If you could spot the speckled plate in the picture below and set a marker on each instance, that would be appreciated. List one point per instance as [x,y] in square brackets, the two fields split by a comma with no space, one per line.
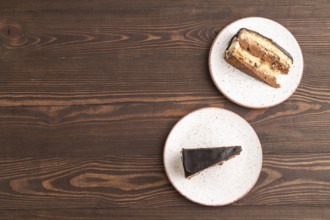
[243,89]
[221,184]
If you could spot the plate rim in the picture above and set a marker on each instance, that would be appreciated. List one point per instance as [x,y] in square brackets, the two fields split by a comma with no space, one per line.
[227,96]
[197,202]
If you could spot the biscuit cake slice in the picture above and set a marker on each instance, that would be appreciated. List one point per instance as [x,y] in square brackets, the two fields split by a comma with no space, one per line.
[258,56]
[266,49]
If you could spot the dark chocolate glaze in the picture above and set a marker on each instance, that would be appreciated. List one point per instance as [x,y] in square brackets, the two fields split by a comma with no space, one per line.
[269,39]
[196,160]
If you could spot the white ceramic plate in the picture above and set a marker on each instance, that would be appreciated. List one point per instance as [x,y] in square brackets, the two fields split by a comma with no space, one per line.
[221,184]
[243,89]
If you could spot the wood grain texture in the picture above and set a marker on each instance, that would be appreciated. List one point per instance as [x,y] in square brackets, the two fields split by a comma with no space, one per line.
[80,130]
[140,181]
[89,91]
[188,213]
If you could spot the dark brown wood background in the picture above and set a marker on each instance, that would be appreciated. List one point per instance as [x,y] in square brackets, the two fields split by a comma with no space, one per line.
[90,89]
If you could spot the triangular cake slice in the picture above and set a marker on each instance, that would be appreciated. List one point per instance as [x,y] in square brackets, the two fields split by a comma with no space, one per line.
[258,56]
[198,159]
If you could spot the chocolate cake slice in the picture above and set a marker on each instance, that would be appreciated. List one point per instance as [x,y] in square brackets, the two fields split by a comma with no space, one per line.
[196,160]
[258,56]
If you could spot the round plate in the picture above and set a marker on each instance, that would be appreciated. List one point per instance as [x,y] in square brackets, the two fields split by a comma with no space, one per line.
[243,89]
[221,184]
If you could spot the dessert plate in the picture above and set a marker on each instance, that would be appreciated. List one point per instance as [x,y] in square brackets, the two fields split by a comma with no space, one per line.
[243,89]
[221,184]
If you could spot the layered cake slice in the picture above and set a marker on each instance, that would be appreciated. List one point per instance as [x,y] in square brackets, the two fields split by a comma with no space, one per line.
[196,160]
[258,56]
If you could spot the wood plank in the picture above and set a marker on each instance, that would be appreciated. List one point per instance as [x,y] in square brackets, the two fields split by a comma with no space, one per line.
[136,125]
[65,83]
[187,213]
[56,49]
[124,38]
[140,181]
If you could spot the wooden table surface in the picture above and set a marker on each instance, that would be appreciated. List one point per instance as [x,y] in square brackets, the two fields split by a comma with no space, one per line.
[90,89]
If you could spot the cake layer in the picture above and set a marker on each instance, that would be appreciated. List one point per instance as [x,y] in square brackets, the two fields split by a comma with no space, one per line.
[266,49]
